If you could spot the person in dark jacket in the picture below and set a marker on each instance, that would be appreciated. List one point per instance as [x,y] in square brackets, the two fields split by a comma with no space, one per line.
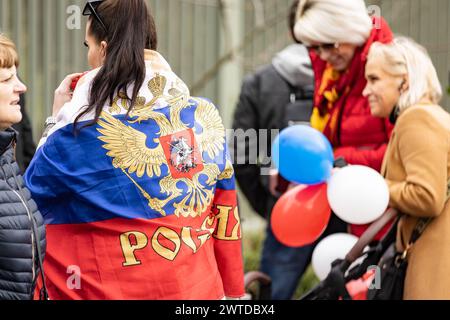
[22,230]
[274,97]
[265,103]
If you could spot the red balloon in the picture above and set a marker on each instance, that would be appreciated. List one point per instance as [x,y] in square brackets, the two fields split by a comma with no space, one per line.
[75,80]
[301,215]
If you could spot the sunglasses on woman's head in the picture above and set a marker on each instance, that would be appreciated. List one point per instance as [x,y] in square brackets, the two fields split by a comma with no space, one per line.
[90,9]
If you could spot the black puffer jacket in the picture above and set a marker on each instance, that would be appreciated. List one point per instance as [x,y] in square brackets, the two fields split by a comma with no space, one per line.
[19,263]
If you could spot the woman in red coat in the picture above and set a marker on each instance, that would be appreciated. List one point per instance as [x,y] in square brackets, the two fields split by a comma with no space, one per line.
[339,35]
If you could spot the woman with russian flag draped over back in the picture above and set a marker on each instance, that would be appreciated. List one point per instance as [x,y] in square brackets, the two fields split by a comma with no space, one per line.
[134,180]
[339,34]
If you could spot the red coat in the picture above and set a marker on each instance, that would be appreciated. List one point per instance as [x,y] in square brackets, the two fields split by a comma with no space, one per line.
[357,136]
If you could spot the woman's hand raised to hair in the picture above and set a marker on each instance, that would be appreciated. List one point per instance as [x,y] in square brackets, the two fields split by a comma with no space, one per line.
[63,93]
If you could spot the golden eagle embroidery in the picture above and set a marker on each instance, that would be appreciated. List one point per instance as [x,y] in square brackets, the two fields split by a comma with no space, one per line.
[178,147]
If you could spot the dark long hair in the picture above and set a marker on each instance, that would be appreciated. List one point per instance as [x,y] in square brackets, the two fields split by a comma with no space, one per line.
[130,29]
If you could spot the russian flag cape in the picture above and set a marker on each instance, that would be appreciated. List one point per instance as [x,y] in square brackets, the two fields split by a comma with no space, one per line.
[139,207]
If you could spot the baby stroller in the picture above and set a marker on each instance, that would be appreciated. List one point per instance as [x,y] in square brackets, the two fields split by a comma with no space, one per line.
[343,272]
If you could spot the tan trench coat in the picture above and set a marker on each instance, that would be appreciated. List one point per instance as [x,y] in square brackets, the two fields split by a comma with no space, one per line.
[417,169]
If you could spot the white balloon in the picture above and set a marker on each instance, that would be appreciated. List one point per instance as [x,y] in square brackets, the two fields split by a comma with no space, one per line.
[329,249]
[358,194]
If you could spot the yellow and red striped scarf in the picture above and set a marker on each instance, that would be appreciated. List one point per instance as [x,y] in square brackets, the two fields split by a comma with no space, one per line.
[320,118]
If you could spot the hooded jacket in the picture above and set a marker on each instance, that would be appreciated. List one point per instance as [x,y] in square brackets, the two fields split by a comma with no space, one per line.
[19,266]
[270,99]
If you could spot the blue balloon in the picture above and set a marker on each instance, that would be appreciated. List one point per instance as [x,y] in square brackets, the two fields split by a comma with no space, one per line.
[303,155]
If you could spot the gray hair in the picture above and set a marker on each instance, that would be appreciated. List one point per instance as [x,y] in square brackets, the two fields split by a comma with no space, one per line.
[333,21]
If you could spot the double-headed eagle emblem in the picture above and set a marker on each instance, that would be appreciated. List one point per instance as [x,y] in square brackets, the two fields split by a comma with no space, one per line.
[178,147]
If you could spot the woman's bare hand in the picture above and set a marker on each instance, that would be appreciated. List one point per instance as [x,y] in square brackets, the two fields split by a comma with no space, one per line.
[63,93]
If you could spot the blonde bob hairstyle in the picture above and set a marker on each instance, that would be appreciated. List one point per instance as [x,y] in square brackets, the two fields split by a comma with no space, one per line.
[8,53]
[332,21]
[406,58]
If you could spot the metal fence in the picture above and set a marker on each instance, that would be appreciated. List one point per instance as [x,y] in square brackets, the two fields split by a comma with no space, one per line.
[48,49]
[211,44]
[196,36]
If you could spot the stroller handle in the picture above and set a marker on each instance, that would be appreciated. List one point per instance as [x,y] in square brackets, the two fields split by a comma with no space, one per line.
[370,234]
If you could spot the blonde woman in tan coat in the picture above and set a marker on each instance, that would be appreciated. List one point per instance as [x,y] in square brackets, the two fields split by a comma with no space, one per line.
[402,85]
